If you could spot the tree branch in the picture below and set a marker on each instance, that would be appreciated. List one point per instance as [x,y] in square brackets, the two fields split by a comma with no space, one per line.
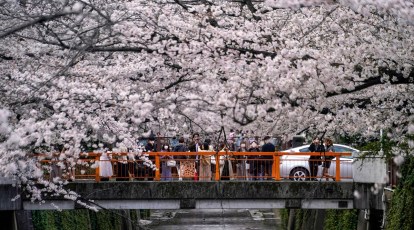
[34,22]
[395,79]
[257,52]
[117,49]
[174,83]
[181,4]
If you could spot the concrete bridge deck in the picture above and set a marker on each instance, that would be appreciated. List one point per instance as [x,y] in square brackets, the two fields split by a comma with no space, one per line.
[206,195]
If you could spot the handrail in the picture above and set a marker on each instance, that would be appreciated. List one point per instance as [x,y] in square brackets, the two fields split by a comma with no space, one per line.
[157,161]
[221,153]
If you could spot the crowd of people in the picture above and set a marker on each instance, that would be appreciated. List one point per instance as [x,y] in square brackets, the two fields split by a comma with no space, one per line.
[202,166]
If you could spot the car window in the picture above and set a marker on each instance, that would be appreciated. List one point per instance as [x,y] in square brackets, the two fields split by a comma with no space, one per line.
[304,149]
[343,149]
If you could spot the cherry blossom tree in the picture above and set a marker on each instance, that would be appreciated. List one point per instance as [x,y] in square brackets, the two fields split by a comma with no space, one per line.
[77,74]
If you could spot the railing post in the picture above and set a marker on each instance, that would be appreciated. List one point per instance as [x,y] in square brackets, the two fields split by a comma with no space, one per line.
[276,166]
[157,164]
[217,177]
[97,177]
[338,168]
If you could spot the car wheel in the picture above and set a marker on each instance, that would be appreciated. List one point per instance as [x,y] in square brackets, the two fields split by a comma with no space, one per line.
[299,174]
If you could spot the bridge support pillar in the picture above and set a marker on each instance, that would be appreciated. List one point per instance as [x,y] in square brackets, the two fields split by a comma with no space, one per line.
[291,220]
[370,219]
[313,219]
[24,219]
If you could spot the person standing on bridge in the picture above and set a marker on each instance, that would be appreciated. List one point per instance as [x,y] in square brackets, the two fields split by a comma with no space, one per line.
[122,173]
[253,161]
[241,168]
[150,147]
[268,159]
[105,166]
[205,161]
[315,161]
[166,174]
[195,146]
[327,159]
[181,147]
[226,167]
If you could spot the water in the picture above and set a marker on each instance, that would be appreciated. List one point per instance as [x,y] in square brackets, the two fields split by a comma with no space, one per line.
[215,219]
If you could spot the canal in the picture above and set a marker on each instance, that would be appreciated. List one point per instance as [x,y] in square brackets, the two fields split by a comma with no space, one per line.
[214,219]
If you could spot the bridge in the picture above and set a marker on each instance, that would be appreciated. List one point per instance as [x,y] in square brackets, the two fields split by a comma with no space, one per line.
[276,165]
[205,195]
[275,191]
[271,191]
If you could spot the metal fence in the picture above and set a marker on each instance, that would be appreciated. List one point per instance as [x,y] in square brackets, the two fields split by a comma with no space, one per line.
[200,166]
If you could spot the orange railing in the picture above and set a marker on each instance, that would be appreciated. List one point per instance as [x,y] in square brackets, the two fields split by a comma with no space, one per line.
[209,165]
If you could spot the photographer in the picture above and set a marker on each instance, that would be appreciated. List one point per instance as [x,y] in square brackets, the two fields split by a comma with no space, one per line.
[315,161]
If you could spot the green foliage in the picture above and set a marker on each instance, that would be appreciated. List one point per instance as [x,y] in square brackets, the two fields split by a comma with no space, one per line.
[341,219]
[79,220]
[374,148]
[74,219]
[284,216]
[334,219]
[106,219]
[401,213]
[43,220]
[64,220]
[300,213]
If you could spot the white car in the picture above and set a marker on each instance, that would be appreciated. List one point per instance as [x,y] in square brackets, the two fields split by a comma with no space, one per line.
[296,167]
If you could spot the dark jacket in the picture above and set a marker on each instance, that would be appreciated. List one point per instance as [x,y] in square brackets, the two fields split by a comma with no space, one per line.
[192,146]
[150,148]
[253,162]
[253,150]
[268,147]
[316,148]
[180,148]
